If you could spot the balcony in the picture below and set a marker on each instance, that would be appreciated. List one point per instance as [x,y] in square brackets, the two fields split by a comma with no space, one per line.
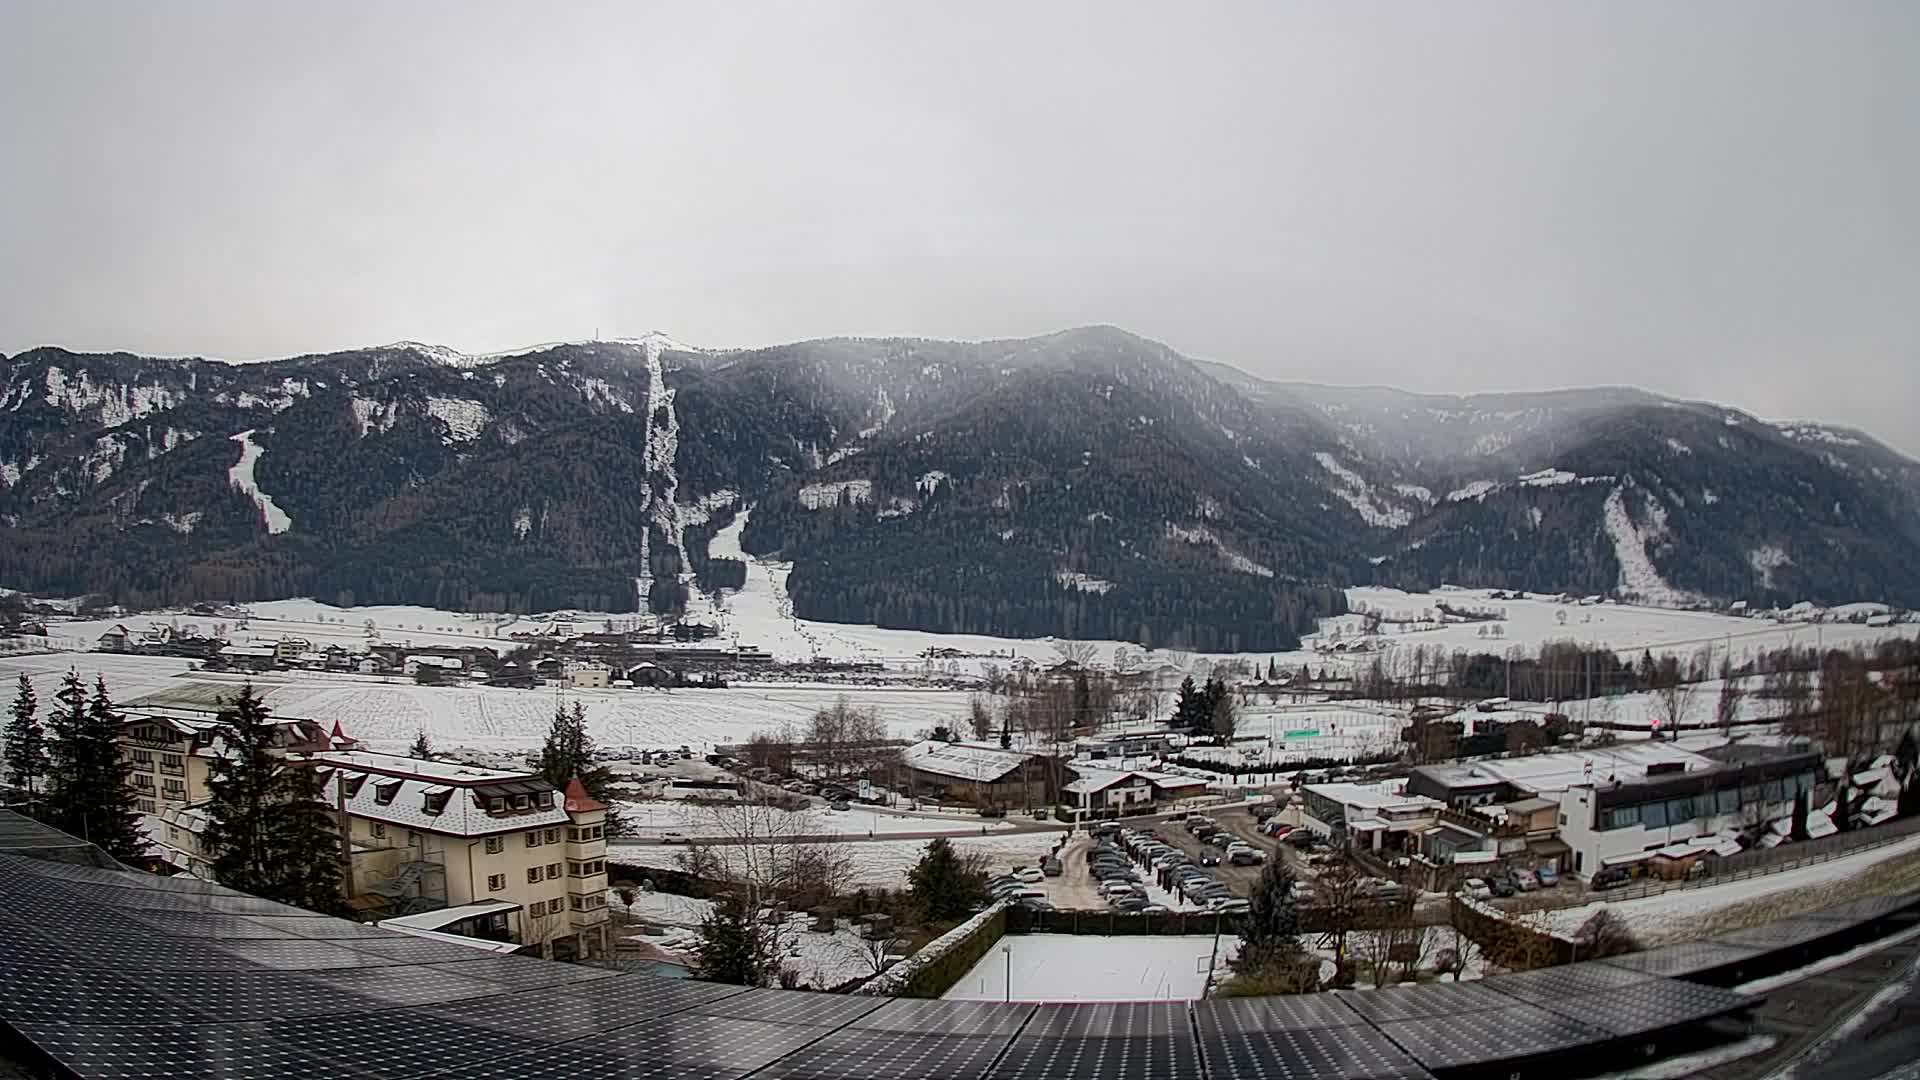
[172,770]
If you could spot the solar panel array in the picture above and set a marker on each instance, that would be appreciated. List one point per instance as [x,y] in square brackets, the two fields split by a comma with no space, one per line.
[112,973]
[1735,955]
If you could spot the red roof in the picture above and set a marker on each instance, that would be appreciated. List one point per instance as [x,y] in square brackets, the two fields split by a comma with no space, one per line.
[578,801]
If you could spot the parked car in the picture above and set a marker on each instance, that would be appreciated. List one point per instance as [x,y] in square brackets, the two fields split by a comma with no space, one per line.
[1246,857]
[1609,877]
[1525,881]
[1034,904]
[1549,877]
[1220,840]
[1039,814]
[1302,839]
[674,838]
[1051,868]
[1501,886]
[1477,888]
[841,804]
[1029,874]
[1208,858]
[1235,906]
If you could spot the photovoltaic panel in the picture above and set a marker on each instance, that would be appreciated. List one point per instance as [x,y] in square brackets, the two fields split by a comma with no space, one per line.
[690,1046]
[793,1007]
[1782,934]
[1095,1057]
[1869,908]
[913,1015]
[1354,1052]
[1650,1006]
[109,1052]
[1420,1002]
[401,949]
[1518,1031]
[290,953]
[1568,980]
[50,994]
[253,994]
[404,1043]
[1681,961]
[858,1054]
[1292,1012]
[578,1010]
[1118,1019]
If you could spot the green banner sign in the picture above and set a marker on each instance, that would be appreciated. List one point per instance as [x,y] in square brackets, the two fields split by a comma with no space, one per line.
[1303,733]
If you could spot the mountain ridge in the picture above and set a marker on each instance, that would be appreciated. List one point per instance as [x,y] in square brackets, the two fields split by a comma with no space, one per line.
[1087,481]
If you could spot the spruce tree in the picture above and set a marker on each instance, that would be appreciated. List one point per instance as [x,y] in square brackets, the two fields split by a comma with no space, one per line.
[942,886]
[729,946]
[569,752]
[89,792]
[266,822]
[1272,926]
[26,742]
[421,748]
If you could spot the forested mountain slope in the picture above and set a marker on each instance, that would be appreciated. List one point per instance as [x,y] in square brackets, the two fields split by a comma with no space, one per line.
[1087,483]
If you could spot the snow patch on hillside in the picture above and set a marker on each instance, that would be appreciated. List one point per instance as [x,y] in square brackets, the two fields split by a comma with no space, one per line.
[662,484]
[897,507]
[1765,559]
[1073,579]
[1548,478]
[1803,432]
[465,419]
[9,473]
[930,480]
[1678,447]
[1415,491]
[1202,535]
[1708,496]
[369,415]
[241,476]
[1638,577]
[115,403]
[181,523]
[1476,490]
[522,522]
[827,495]
[600,390]
[168,440]
[1354,490]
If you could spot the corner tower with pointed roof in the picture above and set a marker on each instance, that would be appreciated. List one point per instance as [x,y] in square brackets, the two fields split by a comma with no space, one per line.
[586,854]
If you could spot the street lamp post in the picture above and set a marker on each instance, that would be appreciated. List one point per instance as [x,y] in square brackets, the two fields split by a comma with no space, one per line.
[1007,951]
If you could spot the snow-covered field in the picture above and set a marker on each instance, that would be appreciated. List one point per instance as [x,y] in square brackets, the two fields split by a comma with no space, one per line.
[1627,629]
[387,712]
[1091,967]
[705,822]
[822,960]
[876,863]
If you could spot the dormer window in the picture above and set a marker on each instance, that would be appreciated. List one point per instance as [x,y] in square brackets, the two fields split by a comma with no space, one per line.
[496,805]
[544,800]
[436,800]
[354,784]
[521,802]
[384,791]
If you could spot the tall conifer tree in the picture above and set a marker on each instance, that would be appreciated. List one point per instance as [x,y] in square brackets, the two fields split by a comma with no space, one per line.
[26,742]
[267,823]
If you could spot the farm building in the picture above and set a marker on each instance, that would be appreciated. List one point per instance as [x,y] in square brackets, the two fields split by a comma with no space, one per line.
[977,774]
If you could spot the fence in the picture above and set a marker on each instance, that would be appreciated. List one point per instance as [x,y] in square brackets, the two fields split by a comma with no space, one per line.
[933,970]
[1746,865]
[1119,924]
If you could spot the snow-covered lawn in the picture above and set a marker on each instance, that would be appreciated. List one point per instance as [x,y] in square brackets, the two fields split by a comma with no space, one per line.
[822,960]
[697,821]
[1091,967]
[876,863]
[1685,914]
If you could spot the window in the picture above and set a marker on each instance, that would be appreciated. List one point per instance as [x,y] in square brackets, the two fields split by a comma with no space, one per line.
[143,759]
[1679,810]
[143,781]
[553,871]
[384,792]
[145,806]
[544,800]
[1563,821]
[379,830]
[576,835]
[579,904]
[496,882]
[597,832]
[436,802]
[573,868]
[537,908]
[520,802]
[1654,815]
[533,838]
[496,805]
[533,875]
[175,789]
[172,761]
[553,836]
[495,845]
[1726,800]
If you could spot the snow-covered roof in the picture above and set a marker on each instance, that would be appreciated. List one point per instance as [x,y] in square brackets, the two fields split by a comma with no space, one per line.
[1386,795]
[449,772]
[444,917]
[963,761]
[1090,781]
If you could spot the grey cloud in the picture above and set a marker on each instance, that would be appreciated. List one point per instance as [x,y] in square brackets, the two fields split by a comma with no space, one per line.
[1711,200]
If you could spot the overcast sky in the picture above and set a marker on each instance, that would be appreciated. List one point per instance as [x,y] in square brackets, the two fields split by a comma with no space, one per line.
[1713,200]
